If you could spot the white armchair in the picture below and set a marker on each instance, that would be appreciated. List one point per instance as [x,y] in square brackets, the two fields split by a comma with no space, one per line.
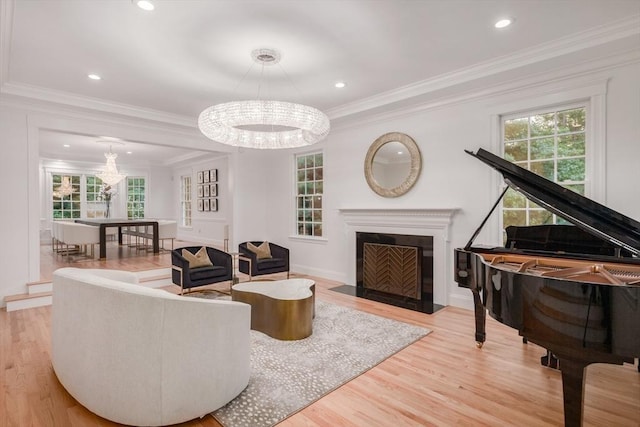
[142,356]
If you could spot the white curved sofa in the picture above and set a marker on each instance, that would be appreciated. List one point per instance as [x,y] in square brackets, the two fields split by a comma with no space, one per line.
[142,356]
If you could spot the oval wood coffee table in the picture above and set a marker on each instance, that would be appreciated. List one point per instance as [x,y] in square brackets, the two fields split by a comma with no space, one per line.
[282,309]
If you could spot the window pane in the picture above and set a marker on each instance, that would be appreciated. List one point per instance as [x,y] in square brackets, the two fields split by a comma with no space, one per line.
[516,129]
[317,202]
[542,148]
[571,120]
[571,145]
[571,170]
[514,217]
[318,160]
[317,229]
[516,151]
[513,199]
[542,124]
[540,217]
[544,169]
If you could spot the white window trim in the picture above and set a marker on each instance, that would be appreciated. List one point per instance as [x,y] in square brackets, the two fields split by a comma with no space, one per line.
[182,178]
[293,221]
[591,94]
[126,194]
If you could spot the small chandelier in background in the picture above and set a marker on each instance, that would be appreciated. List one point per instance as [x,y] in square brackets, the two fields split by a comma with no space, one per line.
[64,189]
[110,173]
[264,124]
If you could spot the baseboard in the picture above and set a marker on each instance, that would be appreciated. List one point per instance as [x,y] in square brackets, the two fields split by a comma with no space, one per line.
[318,272]
[461,301]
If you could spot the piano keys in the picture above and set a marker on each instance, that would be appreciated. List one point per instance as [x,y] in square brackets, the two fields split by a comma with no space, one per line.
[574,289]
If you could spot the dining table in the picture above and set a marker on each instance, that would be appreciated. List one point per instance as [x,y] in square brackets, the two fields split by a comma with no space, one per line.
[104,223]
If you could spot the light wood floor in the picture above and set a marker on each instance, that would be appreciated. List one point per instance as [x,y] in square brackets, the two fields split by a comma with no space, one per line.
[441,380]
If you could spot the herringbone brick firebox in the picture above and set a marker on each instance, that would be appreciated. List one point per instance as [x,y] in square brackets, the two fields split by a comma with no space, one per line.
[396,269]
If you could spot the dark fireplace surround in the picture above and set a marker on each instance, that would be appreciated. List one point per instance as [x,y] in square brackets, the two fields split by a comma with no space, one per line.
[424,245]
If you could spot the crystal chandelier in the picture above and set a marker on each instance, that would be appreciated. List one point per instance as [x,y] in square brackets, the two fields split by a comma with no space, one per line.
[264,124]
[64,189]
[110,174]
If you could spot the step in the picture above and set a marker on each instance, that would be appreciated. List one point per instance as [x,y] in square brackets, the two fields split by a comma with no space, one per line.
[39,293]
[22,301]
[37,287]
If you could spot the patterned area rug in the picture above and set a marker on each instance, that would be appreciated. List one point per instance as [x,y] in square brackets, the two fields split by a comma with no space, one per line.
[290,375]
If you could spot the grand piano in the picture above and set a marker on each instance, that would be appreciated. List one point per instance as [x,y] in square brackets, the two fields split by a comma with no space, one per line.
[572,289]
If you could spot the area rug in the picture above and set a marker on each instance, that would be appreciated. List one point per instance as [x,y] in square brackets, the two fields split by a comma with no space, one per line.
[287,376]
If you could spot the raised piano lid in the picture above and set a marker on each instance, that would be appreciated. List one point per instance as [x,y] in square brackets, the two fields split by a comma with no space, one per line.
[590,216]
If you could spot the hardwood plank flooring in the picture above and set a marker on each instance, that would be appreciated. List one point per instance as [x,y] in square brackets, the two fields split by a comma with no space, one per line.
[441,380]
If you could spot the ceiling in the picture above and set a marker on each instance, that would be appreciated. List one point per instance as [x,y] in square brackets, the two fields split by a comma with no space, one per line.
[187,55]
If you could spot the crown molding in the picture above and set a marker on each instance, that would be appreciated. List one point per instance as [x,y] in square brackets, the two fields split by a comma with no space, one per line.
[576,75]
[66,98]
[622,29]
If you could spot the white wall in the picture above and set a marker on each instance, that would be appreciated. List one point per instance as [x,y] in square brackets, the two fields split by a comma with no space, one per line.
[450,178]
[206,227]
[15,255]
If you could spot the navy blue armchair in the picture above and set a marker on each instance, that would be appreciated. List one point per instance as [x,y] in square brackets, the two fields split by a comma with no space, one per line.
[189,277]
[249,262]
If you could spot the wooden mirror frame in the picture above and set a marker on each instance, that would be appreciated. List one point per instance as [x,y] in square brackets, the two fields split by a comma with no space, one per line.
[416,164]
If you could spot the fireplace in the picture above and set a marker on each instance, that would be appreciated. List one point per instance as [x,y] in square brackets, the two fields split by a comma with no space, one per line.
[396,269]
[434,223]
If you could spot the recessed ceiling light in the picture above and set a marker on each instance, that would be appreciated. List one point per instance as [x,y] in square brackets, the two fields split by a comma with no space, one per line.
[94,77]
[340,85]
[129,152]
[145,5]
[66,146]
[503,23]
[400,152]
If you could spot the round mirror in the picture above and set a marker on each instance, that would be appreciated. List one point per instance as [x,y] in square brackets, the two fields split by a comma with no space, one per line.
[393,164]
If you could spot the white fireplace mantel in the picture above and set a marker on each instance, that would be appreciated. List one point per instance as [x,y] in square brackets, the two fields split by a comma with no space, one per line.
[418,222]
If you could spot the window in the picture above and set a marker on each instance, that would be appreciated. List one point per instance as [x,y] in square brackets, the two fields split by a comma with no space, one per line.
[66,206]
[96,205]
[135,197]
[185,197]
[551,144]
[309,184]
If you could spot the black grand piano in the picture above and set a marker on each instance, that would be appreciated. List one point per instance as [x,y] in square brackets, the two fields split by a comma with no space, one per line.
[572,289]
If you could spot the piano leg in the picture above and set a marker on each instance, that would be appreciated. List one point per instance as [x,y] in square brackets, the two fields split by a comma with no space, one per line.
[572,390]
[481,318]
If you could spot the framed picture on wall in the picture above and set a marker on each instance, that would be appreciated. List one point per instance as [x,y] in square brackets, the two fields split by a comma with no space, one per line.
[205,176]
[199,175]
[205,206]
[200,205]
[213,190]
[200,190]
[213,205]
[213,175]
[206,191]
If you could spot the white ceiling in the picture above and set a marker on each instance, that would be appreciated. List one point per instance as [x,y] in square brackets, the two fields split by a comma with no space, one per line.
[187,55]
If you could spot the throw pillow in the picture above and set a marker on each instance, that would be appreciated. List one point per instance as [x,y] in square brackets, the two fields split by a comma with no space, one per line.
[262,252]
[199,259]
